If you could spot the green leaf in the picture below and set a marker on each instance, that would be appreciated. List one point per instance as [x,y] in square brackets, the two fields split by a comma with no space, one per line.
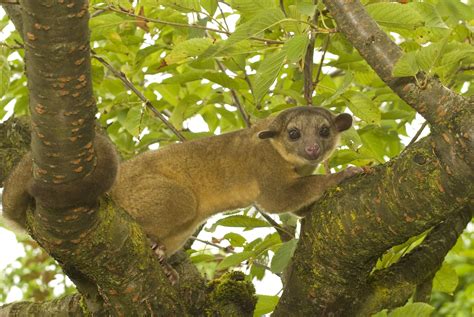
[428,13]
[269,241]
[132,120]
[395,15]
[413,309]
[189,48]
[242,221]
[262,21]
[296,47]
[267,73]
[235,239]
[199,258]
[406,66]
[306,7]
[103,25]
[351,138]
[210,6]
[446,280]
[5,75]
[340,90]
[250,7]
[221,79]
[427,57]
[234,259]
[282,257]
[187,76]
[364,108]
[382,313]
[183,5]
[265,304]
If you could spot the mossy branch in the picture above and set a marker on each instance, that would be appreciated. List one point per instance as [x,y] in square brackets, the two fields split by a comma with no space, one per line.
[392,287]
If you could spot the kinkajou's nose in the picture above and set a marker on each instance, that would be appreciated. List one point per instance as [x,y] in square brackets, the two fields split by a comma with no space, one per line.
[313,150]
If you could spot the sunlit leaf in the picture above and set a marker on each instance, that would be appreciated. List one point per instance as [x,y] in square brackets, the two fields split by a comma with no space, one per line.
[364,108]
[235,239]
[296,47]
[283,255]
[189,48]
[262,21]
[5,75]
[251,7]
[267,73]
[395,15]
[413,309]
[234,259]
[406,66]
[242,221]
[446,279]
[265,304]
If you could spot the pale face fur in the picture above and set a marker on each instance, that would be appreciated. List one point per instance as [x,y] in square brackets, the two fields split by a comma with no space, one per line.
[306,136]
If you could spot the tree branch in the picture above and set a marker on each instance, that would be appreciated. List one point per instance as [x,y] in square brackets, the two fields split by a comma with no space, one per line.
[236,99]
[416,268]
[364,217]
[70,305]
[367,215]
[182,25]
[80,235]
[14,13]
[432,100]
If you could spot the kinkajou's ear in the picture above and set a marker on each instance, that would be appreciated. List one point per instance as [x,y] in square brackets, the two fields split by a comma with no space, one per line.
[266,134]
[343,122]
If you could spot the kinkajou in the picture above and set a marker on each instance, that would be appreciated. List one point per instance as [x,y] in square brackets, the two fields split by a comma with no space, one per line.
[173,190]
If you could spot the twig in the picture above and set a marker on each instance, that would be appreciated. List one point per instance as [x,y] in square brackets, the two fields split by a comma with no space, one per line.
[282,7]
[308,62]
[320,67]
[246,77]
[225,249]
[285,235]
[195,26]
[236,99]
[418,133]
[17,47]
[147,102]
[223,16]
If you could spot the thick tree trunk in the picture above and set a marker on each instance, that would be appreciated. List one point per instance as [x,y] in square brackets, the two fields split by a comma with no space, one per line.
[99,247]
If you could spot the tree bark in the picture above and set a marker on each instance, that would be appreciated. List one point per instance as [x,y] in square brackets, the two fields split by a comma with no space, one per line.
[425,185]
[98,245]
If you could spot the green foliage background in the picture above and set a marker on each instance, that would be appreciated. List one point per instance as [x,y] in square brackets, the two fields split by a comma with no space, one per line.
[194,58]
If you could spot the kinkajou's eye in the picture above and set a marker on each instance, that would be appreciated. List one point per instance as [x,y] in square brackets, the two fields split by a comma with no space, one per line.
[324,132]
[294,134]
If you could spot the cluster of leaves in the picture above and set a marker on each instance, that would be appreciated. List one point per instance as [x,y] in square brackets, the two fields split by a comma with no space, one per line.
[35,275]
[204,59]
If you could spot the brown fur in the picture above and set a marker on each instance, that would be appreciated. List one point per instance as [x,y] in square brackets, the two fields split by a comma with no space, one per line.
[173,190]
[20,186]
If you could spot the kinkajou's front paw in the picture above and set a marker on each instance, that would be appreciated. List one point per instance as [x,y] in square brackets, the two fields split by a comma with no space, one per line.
[352,171]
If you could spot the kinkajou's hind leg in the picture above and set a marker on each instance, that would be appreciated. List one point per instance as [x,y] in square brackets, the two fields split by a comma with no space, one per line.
[166,210]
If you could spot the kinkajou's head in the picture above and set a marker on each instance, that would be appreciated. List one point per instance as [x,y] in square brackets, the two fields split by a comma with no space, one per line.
[306,135]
